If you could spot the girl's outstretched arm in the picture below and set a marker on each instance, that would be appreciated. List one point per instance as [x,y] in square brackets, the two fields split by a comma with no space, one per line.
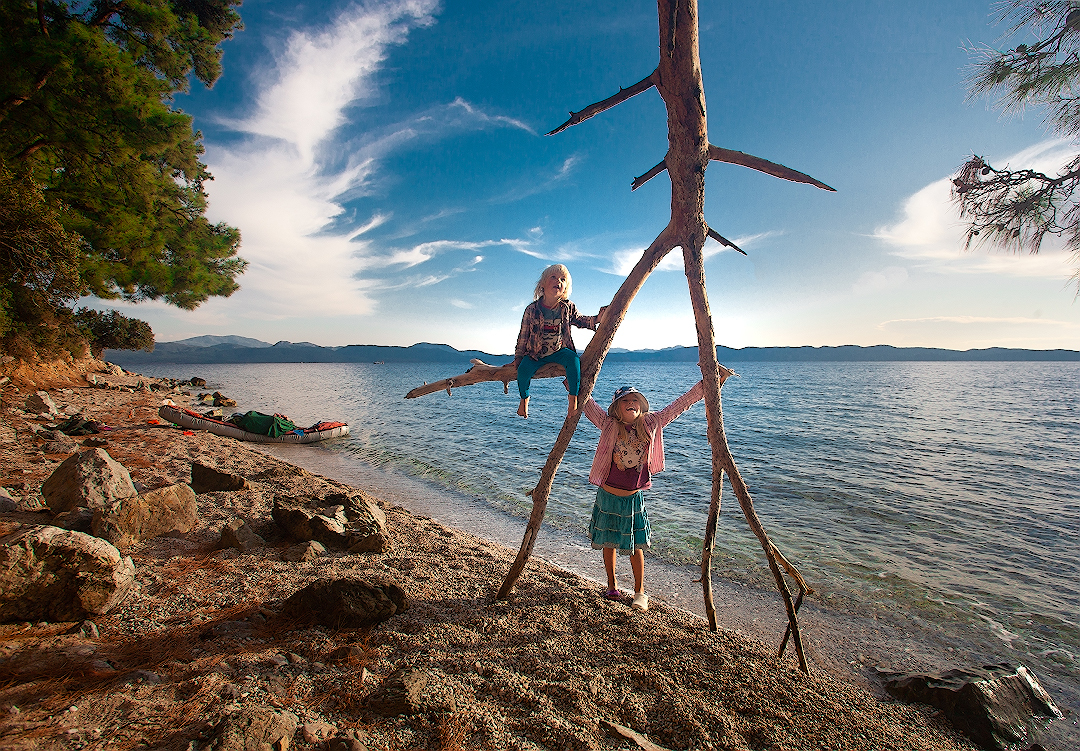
[596,414]
[680,405]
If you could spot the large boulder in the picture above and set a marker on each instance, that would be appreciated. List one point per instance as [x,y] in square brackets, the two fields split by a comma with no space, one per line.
[327,525]
[90,478]
[346,603]
[52,574]
[208,480]
[126,521]
[997,706]
[354,522]
[367,524]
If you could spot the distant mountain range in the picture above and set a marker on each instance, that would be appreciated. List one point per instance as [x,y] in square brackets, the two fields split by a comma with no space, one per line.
[239,349]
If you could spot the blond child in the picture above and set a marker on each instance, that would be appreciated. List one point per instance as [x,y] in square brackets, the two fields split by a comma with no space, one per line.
[545,335]
[630,451]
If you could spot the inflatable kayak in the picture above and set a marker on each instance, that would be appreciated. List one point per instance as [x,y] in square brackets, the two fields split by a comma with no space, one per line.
[188,419]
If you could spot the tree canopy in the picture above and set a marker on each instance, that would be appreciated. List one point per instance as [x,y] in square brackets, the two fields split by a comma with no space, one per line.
[1015,209]
[91,146]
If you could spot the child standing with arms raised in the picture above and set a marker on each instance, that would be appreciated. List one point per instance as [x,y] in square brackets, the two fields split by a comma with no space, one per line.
[630,450]
[545,335]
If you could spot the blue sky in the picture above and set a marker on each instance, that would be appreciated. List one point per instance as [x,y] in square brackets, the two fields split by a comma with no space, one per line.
[387,166]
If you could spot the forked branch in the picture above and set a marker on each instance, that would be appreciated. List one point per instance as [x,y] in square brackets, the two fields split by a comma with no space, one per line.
[729,156]
[595,109]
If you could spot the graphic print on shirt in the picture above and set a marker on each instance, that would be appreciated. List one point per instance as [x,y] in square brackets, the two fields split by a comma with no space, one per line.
[630,450]
[551,333]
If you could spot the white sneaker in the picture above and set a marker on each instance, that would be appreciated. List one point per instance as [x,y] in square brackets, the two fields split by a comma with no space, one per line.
[641,601]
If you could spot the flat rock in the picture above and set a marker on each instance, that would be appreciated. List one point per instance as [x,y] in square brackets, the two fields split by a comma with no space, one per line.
[90,478]
[126,521]
[346,602]
[304,552]
[409,691]
[40,403]
[52,574]
[256,729]
[997,706]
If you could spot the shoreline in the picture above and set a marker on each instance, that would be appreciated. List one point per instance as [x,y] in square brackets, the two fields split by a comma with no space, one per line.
[880,640]
[534,672]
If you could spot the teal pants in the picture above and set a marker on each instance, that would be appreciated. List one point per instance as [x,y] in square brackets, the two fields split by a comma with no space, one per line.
[566,357]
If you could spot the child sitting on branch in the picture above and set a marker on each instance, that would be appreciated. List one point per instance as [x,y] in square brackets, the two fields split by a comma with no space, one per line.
[545,335]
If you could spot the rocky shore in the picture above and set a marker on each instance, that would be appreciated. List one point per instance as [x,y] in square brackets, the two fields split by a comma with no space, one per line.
[205,650]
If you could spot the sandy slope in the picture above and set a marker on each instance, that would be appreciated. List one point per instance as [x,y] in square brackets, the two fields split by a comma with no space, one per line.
[539,671]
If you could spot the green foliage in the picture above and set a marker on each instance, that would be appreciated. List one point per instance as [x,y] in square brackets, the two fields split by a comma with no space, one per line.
[1015,209]
[38,258]
[86,122]
[113,330]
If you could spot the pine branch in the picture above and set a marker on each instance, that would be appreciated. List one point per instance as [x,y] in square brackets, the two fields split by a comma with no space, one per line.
[1016,209]
[595,109]
[729,156]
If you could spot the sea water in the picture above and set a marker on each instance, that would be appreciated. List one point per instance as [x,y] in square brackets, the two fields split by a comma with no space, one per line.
[926,503]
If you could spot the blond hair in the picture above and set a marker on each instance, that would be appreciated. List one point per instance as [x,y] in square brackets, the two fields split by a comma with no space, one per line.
[539,291]
[638,426]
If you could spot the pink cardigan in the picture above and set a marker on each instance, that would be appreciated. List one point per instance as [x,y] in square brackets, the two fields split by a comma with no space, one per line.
[654,423]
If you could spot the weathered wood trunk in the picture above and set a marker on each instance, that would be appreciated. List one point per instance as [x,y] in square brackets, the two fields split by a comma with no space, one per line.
[678,80]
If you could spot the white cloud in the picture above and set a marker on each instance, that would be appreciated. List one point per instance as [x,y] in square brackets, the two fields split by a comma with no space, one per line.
[542,185]
[879,281]
[320,73]
[976,332]
[930,232]
[281,186]
[461,304]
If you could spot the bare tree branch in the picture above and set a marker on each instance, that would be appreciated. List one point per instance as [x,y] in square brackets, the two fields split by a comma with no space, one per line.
[718,154]
[639,181]
[626,733]
[595,109]
[724,241]
[482,372]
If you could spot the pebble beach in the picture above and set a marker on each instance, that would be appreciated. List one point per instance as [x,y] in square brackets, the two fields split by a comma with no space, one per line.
[199,647]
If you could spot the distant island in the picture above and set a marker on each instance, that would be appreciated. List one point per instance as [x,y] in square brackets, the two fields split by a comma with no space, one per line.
[237,349]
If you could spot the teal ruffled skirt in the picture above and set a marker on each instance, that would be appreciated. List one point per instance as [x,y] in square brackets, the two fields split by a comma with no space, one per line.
[619,522]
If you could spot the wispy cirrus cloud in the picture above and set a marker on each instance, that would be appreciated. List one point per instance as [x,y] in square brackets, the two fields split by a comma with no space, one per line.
[283,183]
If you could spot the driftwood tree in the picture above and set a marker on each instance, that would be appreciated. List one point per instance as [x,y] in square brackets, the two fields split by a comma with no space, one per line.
[677,78]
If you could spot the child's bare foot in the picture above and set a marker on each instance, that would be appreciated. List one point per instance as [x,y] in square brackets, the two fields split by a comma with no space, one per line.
[523,408]
[571,405]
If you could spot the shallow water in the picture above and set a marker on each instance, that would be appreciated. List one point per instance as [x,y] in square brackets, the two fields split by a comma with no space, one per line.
[937,502]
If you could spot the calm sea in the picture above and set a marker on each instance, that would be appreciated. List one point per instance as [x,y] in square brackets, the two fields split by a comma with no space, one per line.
[935,501]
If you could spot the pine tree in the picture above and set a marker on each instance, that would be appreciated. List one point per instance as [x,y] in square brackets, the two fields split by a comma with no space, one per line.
[1015,209]
[86,119]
